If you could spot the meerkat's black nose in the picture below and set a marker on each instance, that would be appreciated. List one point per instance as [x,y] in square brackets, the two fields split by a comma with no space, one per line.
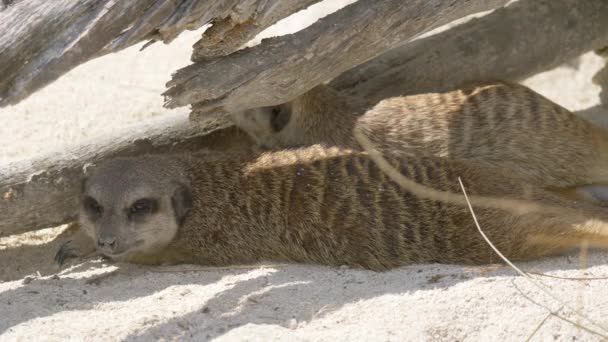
[107,244]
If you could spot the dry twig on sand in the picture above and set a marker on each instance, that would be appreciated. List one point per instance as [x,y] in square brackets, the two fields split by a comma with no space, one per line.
[516,207]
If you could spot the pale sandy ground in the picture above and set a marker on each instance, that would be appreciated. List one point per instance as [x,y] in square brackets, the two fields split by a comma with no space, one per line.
[295,302]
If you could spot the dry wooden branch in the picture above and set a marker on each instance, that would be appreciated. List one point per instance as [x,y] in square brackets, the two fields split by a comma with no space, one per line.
[511,43]
[45,192]
[243,24]
[601,79]
[287,66]
[42,40]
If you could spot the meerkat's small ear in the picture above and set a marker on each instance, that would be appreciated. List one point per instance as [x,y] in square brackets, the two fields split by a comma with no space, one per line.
[181,200]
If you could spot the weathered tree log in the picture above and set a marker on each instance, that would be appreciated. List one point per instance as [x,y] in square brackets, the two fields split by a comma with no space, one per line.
[287,66]
[601,77]
[243,24]
[43,193]
[42,40]
[511,43]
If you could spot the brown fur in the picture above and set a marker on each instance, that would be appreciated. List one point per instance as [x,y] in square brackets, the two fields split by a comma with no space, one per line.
[335,206]
[320,116]
[502,124]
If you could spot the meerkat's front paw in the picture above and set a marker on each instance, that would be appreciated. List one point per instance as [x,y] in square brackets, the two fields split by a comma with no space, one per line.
[66,251]
[77,244]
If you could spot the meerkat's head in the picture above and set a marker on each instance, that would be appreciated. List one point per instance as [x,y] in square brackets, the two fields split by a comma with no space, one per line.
[303,120]
[263,123]
[134,205]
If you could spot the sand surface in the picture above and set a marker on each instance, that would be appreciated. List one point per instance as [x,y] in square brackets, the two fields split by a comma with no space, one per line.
[262,303]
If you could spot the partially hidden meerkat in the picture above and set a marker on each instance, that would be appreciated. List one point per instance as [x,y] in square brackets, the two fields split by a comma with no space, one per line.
[502,124]
[331,206]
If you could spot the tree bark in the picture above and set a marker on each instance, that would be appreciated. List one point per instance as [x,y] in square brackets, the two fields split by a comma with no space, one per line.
[601,77]
[243,24]
[281,68]
[42,40]
[45,192]
[511,43]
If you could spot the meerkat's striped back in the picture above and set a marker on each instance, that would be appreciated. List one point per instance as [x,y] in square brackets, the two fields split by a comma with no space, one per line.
[502,124]
[335,206]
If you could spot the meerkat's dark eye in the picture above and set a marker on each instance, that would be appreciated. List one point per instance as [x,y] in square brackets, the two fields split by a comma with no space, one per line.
[279,117]
[276,111]
[92,207]
[142,207]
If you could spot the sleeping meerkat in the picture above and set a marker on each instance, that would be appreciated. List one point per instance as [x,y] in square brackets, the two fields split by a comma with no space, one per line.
[320,116]
[505,125]
[317,205]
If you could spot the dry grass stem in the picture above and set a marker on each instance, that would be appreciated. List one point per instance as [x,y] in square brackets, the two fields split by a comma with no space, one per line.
[514,206]
[530,279]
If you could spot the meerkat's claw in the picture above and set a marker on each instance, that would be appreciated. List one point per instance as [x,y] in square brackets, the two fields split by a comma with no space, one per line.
[66,251]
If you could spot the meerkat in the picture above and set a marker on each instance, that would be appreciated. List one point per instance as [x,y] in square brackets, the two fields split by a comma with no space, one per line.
[320,116]
[502,124]
[330,206]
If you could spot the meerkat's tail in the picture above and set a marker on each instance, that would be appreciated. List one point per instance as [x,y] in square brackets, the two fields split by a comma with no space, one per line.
[518,207]
[573,224]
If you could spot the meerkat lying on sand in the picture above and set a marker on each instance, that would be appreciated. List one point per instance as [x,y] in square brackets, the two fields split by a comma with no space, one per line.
[330,206]
[502,124]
